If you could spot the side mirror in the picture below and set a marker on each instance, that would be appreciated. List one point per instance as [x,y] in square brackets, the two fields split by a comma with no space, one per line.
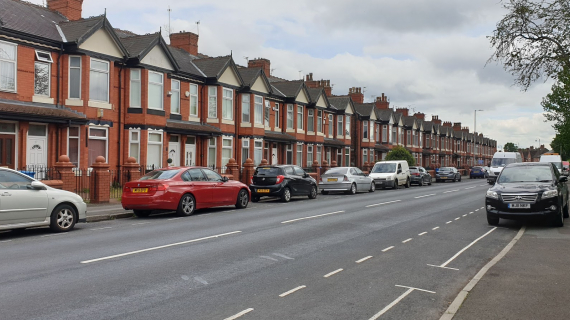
[563,179]
[305,175]
[399,170]
[225,179]
[36,185]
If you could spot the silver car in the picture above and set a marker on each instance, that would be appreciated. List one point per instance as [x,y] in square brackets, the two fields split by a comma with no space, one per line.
[26,203]
[348,179]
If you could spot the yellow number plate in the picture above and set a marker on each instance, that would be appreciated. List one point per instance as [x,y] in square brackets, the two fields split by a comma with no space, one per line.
[263,190]
[140,190]
[443,177]
[332,179]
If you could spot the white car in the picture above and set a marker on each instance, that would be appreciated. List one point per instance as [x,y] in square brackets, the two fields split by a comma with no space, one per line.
[26,203]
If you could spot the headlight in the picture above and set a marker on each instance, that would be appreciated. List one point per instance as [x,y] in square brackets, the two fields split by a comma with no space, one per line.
[492,194]
[388,178]
[549,194]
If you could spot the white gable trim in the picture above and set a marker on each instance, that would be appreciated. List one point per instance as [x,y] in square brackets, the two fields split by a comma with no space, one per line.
[230,77]
[302,97]
[102,42]
[156,57]
[260,86]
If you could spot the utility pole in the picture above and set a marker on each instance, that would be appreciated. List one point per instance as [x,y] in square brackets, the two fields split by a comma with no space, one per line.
[475,121]
[169,10]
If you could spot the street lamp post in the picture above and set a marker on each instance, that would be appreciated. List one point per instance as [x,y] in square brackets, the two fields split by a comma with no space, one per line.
[475,120]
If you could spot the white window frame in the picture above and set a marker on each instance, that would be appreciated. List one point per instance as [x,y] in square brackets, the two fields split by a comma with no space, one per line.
[365,129]
[138,141]
[100,71]
[372,131]
[195,97]
[310,120]
[175,93]
[244,146]
[230,148]
[340,126]
[347,156]
[301,113]
[258,109]
[290,117]
[246,105]
[347,125]
[277,118]
[48,79]
[227,104]
[384,133]
[44,59]
[78,137]
[289,149]
[161,143]
[257,147]
[70,80]
[331,125]
[298,152]
[320,121]
[364,156]
[319,154]
[106,138]
[310,158]
[212,102]
[212,146]
[267,113]
[161,84]
[136,81]
[15,63]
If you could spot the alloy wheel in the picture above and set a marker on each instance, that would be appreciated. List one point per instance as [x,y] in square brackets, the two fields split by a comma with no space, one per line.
[65,218]
[187,205]
[243,198]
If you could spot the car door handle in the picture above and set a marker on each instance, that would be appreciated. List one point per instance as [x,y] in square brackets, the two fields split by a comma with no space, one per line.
[6,194]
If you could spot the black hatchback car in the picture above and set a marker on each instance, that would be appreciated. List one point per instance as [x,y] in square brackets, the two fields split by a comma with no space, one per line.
[420,176]
[528,189]
[283,181]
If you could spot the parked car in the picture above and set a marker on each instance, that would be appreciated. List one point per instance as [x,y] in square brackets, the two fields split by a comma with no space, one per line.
[420,176]
[478,172]
[348,179]
[447,173]
[283,181]
[184,190]
[391,174]
[26,202]
[528,189]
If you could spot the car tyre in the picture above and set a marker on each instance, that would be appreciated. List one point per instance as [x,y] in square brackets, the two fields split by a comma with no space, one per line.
[186,206]
[430,180]
[566,211]
[408,183]
[242,199]
[372,187]
[492,219]
[459,178]
[63,218]
[323,192]
[352,189]
[142,213]
[313,193]
[395,184]
[254,199]
[286,197]
[558,219]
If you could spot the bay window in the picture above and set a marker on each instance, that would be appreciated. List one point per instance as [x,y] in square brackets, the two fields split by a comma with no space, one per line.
[347,126]
[290,121]
[267,112]
[244,150]
[340,126]
[277,117]
[134,144]
[213,102]
[309,156]
[258,109]
[300,117]
[8,58]
[73,145]
[319,121]
[299,155]
[365,129]
[227,143]
[311,120]
[331,125]
[154,150]
[194,100]
[257,152]
[212,152]
[175,97]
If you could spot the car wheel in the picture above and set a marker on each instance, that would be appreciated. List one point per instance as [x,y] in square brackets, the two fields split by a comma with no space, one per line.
[324,192]
[492,219]
[63,218]
[186,206]
[242,199]
[372,187]
[352,189]
[422,183]
[459,178]
[395,184]
[286,195]
[254,199]
[429,183]
[142,213]
[566,211]
[407,185]
[558,219]
[313,193]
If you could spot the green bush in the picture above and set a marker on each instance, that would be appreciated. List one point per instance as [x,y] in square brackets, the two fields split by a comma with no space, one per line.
[400,153]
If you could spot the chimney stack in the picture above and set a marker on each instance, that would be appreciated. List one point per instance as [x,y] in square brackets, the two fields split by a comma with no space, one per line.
[420,115]
[186,41]
[382,102]
[435,119]
[457,126]
[262,63]
[71,9]
[355,93]
[447,124]
[403,111]
[325,84]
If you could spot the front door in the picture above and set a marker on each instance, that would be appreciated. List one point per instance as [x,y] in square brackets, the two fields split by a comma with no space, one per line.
[274,155]
[7,151]
[190,157]
[174,151]
[36,157]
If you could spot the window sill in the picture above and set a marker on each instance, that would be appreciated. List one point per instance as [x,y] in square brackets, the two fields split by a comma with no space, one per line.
[74,102]
[339,137]
[193,118]
[41,99]
[156,112]
[210,120]
[311,133]
[320,134]
[226,121]
[135,110]
[101,105]
[290,130]
[245,125]
[365,140]
[300,131]
[258,125]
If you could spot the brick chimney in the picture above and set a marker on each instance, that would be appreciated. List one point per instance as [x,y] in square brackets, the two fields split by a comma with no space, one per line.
[403,111]
[186,41]
[356,94]
[262,63]
[420,115]
[325,84]
[457,126]
[465,129]
[447,124]
[435,119]
[382,102]
[71,9]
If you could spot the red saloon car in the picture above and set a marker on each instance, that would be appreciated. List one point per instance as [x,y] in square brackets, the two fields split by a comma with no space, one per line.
[182,189]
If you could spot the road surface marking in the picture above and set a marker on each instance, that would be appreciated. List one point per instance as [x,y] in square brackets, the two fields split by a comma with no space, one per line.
[174,218]
[471,212]
[379,204]
[283,256]
[332,273]
[435,228]
[433,265]
[448,222]
[159,247]
[477,210]
[311,217]
[470,188]
[457,218]
[291,291]
[421,234]
[239,314]
[137,224]
[202,281]
[451,191]
[482,185]
[101,228]
[482,207]
[405,294]
[467,247]
[427,195]
[357,261]
[268,258]
[407,240]
[389,248]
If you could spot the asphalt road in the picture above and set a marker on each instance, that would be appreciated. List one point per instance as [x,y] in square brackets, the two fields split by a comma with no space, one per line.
[392,254]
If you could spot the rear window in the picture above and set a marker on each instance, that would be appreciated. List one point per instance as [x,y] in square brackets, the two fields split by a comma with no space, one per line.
[446,169]
[337,171]
[412,169]
[160,175]
[268,171]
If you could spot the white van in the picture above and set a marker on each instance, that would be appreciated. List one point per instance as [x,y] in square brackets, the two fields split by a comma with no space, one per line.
[501,160]
[391,174]
[554,158]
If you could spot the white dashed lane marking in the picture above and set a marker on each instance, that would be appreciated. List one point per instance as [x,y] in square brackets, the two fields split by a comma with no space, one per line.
[389,248]
[363,259]
[291,291]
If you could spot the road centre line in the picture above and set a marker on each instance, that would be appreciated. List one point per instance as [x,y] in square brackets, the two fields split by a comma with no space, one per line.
[159,247]
[457,218]
[421,234]
[283,256]
[433,265]
[379,204]
[357,261]
[427,195]
[239,314]
[402,296]
[332,273]
[407,240]
[470,188]
[101,228]
[451,191]
[291,291]
[467,247]
[465,215]
[477,210]
[389,248]
[448,222]
[311,217]
[435,228]
[471,212]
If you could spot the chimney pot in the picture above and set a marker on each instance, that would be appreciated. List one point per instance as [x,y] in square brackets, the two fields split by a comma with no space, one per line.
[262,63]
[71,9]
[186,41]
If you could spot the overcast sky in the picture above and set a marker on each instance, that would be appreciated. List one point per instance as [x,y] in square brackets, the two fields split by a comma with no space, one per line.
[428,55]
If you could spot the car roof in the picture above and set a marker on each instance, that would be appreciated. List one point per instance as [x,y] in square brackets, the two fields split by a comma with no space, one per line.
[526,164]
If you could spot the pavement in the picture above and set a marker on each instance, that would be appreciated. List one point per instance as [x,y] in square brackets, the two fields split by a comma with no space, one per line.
[107,211]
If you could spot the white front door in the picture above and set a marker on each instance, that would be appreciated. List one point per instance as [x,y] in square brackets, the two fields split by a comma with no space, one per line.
[274,154]
[36,156]
[174,151]
[190,155]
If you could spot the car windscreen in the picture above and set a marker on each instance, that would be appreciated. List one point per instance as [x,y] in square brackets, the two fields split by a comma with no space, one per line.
[337,171]
[268,171]
[384,168]
[525,174]
[160,174]
[445,169]
[412,169]
[502,162]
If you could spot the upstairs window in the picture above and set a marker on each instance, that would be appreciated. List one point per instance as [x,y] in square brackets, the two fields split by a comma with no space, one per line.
[8,66]
[213,102]
[300,117]
[135,88]
[175,97]
[347,131]
[384,133]
[194,100]
[267,112]
[311,120]
[43,56]
[277,117]
[258,109]
[365,129]
[340,126]
[42,79]
[74,77]
[331,125]
[228,104]
[290,121]
[99,80]
[319,121]
[155,90]
[245,112]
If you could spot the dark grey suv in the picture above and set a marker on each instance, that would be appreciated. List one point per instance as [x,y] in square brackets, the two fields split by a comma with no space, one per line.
[283,181]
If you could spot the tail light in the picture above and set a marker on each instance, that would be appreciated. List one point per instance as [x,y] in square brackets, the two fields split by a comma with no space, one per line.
[280,179]
[161,187]
[345,178]
[126,189]
[415,174]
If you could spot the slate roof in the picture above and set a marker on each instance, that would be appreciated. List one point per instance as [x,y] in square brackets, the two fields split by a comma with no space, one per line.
[190,127]
[213,67]
[124,33]
[27,111]
[75,30]
[314,94]
[339,102]
[397,117]
[30,18]
[364,109]
[384,114]
[185,61]
[409,121]
[249,75]
[289,88]
[136,45]
[428,126]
